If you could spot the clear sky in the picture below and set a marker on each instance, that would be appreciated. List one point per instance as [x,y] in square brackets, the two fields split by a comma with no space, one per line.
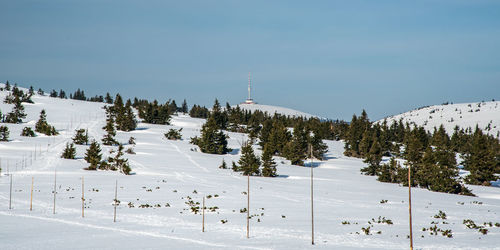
[330,58]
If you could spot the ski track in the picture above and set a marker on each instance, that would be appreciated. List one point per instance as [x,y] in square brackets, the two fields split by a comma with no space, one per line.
[127,231]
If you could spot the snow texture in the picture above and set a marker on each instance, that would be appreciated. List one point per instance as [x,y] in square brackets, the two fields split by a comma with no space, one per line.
[167,172]
[465,115]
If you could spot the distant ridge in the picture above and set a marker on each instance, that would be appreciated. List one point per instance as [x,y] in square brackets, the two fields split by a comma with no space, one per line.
[485,114]
[274,109]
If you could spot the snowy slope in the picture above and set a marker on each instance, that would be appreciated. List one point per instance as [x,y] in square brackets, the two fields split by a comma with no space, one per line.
[274,109]
[464,115]
[167,172]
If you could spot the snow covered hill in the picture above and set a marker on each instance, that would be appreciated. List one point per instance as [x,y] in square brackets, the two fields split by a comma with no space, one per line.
[274,109]
[171,177]
[464,115]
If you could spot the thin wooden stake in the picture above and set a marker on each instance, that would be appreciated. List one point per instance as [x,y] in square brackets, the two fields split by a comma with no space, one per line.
[312,197]
[248,205]
[409,206]
[83,198]
[203,215]
[10,195]
[116,192]
[31,199]
[55,184]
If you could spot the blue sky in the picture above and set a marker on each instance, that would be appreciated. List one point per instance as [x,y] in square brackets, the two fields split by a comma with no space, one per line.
[330,58]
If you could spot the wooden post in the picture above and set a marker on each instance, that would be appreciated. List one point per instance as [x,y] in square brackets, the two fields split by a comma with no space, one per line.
[203,215]
[55,184]
[409,206]
[312,197]
[31,199]
[83,197]
[116,192]
[10,195]
[248,205]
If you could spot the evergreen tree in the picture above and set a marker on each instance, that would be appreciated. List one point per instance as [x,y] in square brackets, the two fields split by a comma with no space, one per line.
[42,126]
[4,133]
[480,160]
[213,140]
[27,131]
[118,111]
[108,98]
[81,137]
[319,147]
[296,149]
[53,93]
[218,116]
[93,155]
[130,122]
[373,159]
[62,94]
[17,115]
[69,152]
[389,172]
[265,132]
[118,163]
[249,163]
[184,108]
[109,137]
[268,164]
[7,86]
[278,138]
[223,165]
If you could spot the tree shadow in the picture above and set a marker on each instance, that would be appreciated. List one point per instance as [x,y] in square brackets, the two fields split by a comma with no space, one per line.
[235,151]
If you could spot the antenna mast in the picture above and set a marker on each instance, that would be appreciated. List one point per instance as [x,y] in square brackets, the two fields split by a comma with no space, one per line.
[249,86]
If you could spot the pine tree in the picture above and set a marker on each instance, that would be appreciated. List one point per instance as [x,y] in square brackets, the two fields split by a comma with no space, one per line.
[108,98]
[213,140]
[130,122]
[93,155]
[223,165]
[219,116]
[296,149]
[118,111]
[373,159]
[4,133]
[118,163]
[28,132]
[319,147]
[278,138]
[109,137]
[268,164]
[249,163]
[69,152]
[480,160]
[184,108]
[81,137]
[389,172]
[17,115]
[42,126]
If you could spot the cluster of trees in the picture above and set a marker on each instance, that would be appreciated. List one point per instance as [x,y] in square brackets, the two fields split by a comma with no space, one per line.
[42,126]
[155,113]
[250,164]
[199,112]
[124,115]
[93,155]
[16,97]
[274,137]
[431,156]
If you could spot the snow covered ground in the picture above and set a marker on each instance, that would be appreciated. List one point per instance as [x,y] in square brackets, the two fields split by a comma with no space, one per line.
[464,115]
[167,172]
[274,109]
